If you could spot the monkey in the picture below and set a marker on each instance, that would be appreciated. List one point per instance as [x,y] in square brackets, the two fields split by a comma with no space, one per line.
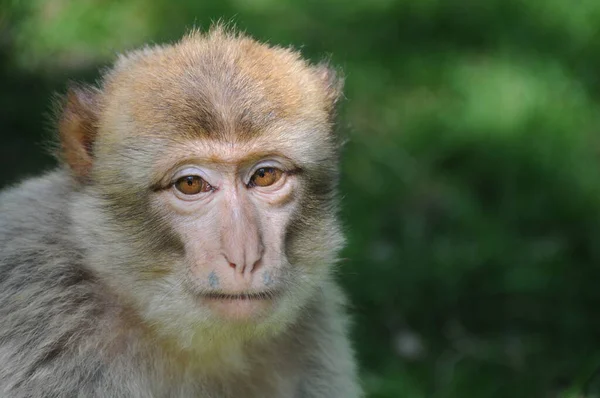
[186,243]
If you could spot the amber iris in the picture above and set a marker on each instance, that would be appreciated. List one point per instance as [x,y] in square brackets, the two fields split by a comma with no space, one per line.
[191,185]
[265,176]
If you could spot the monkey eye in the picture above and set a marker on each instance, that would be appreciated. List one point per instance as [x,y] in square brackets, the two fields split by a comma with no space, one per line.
[265,176]
[192,185]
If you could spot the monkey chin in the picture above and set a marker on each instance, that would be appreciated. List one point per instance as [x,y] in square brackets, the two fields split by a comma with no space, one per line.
[239,308]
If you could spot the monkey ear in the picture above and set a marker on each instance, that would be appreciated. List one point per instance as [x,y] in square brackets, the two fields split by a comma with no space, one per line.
[333,83]
[77,129]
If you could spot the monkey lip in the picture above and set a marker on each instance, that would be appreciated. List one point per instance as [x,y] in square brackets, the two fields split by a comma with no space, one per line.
[243,296]
[241,307]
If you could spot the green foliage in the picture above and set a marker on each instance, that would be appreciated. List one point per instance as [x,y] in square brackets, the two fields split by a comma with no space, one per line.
[471,178]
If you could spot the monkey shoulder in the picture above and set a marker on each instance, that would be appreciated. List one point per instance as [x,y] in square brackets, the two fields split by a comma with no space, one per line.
[34,227]
[48,301]
[33,208]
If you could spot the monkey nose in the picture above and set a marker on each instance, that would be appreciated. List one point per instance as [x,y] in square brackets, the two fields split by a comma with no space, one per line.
[244,265]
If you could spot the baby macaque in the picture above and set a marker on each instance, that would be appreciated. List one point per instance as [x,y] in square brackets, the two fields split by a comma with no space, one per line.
[184,247]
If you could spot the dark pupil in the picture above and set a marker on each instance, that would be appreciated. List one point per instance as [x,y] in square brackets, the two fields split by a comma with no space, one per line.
[262,172]
[190,181]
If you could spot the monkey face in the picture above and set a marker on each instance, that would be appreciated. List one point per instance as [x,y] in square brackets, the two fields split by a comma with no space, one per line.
[214,167]
[230,207]
[234,236]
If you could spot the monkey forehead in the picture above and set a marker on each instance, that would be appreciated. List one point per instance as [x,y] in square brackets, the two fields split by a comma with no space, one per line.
[236,156]
[217,84]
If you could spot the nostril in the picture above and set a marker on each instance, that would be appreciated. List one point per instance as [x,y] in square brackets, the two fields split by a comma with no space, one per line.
[256,265]
[231,264]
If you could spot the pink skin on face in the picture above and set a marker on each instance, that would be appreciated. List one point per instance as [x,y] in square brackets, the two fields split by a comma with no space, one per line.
[234,232]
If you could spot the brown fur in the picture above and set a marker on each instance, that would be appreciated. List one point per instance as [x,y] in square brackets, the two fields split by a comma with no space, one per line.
[274,83]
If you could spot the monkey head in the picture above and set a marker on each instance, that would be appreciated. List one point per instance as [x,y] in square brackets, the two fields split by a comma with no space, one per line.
[206,177]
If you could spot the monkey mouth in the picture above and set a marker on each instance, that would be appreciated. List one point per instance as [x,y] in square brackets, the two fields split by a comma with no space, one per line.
[240,306]
[252,296]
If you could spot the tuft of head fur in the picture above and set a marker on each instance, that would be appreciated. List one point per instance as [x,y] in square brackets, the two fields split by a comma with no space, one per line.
[220,84]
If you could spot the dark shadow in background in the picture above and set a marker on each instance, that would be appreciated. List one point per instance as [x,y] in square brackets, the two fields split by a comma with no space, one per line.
[553,328]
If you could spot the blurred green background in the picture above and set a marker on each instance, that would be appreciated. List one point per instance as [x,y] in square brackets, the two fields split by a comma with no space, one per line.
[471,176]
